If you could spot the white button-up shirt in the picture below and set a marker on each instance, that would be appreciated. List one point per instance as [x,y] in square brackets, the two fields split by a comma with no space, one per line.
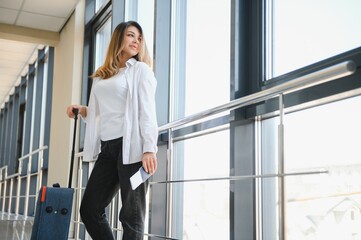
[111,97]
[140,121]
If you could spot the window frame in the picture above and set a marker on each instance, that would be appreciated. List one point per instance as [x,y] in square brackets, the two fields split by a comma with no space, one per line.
[93,22]
[248,75]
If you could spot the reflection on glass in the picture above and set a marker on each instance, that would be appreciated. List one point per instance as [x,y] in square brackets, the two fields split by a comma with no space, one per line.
[201,209]
[307,31]
[207,54]
[99,4]
[142,11]
[205,204]
[324,206]
[145,17]
[102,42]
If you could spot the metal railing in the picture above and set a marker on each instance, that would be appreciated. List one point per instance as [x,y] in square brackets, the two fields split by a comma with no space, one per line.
[328,74]
[324,75]
[9,181]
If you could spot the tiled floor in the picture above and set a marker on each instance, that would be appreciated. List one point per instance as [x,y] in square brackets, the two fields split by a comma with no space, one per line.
[14,228]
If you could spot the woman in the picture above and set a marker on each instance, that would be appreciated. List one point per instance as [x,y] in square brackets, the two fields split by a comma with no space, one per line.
[121,133]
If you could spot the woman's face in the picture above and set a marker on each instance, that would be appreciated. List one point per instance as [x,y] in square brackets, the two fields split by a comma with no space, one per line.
[132,40]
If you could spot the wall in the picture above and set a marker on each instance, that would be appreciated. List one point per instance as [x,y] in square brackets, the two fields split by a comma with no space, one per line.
[66,90]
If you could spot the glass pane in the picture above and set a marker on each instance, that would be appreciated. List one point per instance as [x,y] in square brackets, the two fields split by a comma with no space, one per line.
[269,188]
[145,17]
[99,4]
[142,11]
[307,31]
[207,54]
[325,206]
[102,41]
[205,206]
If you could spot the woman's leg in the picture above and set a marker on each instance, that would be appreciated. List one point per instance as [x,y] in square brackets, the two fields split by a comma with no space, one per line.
[102,185]
[132,214]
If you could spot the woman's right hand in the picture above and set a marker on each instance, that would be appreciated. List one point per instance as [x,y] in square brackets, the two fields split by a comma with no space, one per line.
[82,110]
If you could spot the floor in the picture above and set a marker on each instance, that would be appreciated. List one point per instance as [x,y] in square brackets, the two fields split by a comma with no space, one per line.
[14,228]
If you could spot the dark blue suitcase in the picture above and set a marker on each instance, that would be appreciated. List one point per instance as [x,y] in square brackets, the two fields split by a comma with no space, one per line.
[54,207]
[53,214]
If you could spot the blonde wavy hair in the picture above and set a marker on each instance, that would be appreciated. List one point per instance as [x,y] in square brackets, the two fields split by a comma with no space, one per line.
[115,48]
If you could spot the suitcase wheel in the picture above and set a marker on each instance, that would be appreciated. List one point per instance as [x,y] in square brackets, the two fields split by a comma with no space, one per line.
[64,211]
[49,209]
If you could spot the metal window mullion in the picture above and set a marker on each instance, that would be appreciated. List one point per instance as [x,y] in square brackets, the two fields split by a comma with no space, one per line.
[48,100]
[172,76]
[7,133]
[43,103]
[10,133]
[28,171]
[15,126]
[268,46]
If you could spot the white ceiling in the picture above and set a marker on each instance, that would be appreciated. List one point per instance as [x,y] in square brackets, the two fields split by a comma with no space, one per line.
[48,15]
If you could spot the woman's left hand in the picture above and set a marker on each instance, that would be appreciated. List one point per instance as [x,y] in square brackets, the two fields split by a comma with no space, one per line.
[149,161]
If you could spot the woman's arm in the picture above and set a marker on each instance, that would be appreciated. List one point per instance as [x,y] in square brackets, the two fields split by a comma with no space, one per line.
[148,119]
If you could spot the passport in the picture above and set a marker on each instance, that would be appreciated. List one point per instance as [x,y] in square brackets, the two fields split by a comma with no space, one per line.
[139,177]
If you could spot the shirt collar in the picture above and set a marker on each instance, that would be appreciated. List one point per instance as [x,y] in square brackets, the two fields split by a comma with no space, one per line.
[130,62]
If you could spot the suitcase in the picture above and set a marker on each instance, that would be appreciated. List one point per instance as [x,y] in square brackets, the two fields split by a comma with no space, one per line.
[54,206]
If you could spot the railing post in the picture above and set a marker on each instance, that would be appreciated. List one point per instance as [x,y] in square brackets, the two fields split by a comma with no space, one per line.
[169,217]
[10,195]
[1,180]
[40,176]
[17,205]
[78,198]
[281,183]
[119,225]
[4,193]
[111,214]
[40,170]
[27,189]
[258,181]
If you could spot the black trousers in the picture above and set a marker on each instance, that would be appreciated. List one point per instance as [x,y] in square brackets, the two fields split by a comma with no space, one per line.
[108,175]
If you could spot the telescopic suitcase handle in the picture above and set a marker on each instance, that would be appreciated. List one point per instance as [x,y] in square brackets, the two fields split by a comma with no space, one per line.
[75,111]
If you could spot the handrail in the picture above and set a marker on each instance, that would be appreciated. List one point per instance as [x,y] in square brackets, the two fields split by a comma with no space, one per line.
[33,152]
[328,74]
[243,177]
[18,176]
[13,175]
[321,76]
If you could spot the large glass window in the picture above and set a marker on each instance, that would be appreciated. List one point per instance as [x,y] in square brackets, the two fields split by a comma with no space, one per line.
[99,4]
[203,84]
[324,206]
[302,32]
[205,203]
[103,36]
[207,52]
[142,11]
[317,206]
[146,20]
